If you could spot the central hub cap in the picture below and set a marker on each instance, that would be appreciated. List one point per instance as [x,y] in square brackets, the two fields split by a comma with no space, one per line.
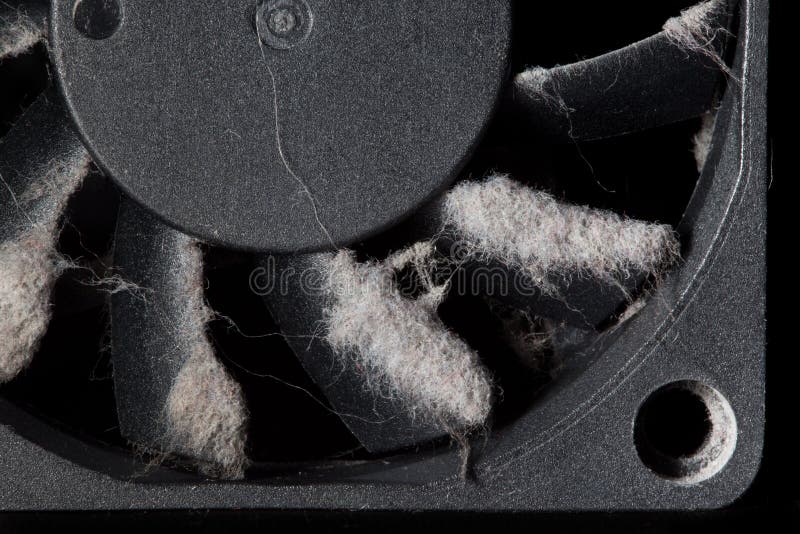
[283,125]
[283,24]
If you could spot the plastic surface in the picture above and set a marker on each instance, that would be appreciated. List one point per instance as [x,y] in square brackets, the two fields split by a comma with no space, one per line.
[200,113]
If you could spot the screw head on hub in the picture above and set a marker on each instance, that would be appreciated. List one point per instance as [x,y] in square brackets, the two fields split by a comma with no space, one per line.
[283,24]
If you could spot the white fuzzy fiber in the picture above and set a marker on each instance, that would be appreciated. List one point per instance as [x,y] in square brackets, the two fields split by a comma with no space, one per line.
[703,138]
[206,413]
[18,33]
[534,83]
[527,229]
[696,28]
[404,349]
[30,266]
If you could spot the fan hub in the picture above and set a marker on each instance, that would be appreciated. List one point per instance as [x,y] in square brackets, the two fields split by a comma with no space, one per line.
[284,125]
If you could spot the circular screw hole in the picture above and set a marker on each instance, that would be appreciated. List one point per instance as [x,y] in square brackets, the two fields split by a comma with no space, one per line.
[677,422]
[685,431]
[97,19]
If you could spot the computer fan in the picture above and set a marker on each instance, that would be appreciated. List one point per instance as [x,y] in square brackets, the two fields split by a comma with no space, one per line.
[355,254]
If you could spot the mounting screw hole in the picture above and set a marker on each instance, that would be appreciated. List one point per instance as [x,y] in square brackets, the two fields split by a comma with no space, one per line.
[97,19]
[685,431]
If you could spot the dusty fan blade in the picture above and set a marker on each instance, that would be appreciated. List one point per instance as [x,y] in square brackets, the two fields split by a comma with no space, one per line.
[298,305]
[581,302]
[651,83]
[42,163]
[571,264]
[40,144]
[22,25]
[172,394]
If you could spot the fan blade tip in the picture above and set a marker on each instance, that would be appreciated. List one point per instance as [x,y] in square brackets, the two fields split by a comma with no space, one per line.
[174,395]
[207,417]
[29,267]
[401,344]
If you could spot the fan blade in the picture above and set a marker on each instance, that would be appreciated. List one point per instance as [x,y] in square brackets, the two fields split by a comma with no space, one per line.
[41,164]
[173,395]
[375,409]
[22,25]
[522,247]
[584,303]
[654,82]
